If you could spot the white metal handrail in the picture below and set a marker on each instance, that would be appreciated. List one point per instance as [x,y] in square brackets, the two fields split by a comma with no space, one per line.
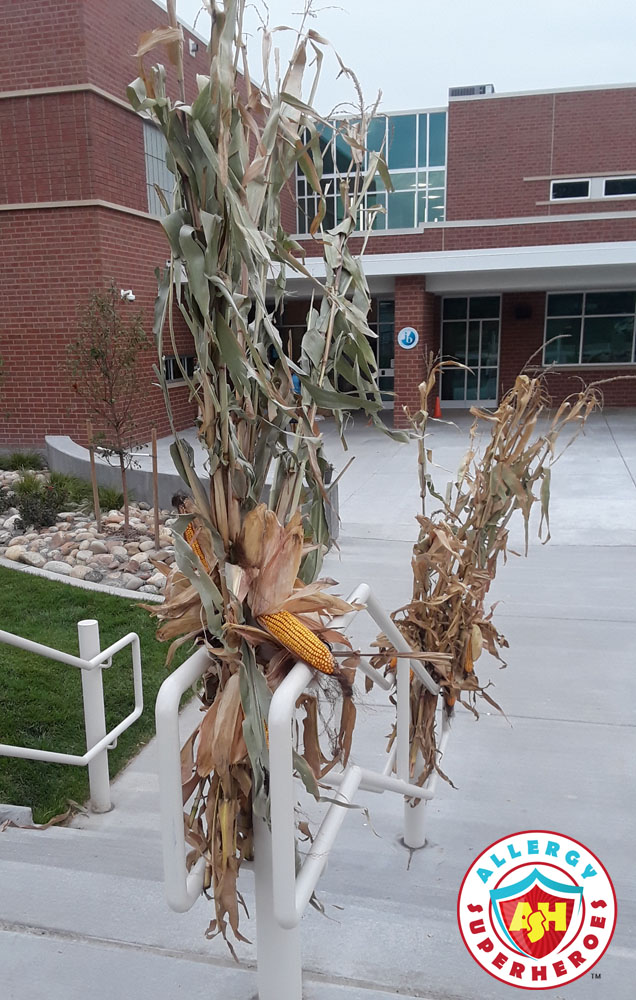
[293,888]
[281,892]
[91,662]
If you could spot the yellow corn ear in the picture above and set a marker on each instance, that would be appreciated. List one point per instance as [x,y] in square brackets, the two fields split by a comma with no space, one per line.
[299,639]
[476,641]
[468,661]
[189,534]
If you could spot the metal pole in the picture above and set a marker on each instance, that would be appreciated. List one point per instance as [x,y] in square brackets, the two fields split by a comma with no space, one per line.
[91,452]
[155,486]
[94,716]
[279,971]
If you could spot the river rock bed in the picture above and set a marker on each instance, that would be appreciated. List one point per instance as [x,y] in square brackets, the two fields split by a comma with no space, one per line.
[74,547]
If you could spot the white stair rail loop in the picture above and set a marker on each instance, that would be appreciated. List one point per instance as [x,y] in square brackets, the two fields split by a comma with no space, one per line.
[182,887]
[90,661]
[292,890]
[281,893]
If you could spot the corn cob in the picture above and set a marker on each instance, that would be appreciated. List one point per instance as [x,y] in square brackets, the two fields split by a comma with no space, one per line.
[300,640]
[393,666]
[189,535]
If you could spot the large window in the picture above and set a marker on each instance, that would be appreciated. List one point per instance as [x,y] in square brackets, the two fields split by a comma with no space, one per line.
[414,146]
[157,173]
[590,328]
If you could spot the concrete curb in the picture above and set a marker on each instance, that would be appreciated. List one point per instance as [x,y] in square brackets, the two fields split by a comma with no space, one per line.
[102,588]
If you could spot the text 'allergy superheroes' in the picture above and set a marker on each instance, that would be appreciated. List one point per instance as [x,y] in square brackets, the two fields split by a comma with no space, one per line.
[536,910]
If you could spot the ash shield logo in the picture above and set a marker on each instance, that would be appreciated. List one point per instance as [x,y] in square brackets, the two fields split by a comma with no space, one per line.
[536,910]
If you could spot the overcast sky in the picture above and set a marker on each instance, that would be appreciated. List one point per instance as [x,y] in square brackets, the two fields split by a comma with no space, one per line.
[414,50]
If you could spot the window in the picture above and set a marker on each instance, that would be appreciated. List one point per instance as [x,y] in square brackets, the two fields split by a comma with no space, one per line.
[414,146]
[562,190]
[619,187]
[590,328]
[172,371]
[470,335]
[157,172]
[593,187]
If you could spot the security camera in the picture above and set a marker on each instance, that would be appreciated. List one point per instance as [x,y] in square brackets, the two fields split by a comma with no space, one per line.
[127,294]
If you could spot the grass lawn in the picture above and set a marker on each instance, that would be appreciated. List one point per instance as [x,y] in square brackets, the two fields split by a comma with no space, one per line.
[41,700]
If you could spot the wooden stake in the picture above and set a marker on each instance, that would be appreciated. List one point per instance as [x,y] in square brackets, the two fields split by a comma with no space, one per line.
[91,452]
[155,486]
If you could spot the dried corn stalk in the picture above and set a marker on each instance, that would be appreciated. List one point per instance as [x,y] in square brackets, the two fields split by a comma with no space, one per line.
[456,554]
[234,151]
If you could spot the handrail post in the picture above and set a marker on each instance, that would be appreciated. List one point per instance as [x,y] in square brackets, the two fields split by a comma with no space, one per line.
[94,716]
[279,966]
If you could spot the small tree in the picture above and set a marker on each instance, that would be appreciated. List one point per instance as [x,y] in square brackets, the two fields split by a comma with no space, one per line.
[103,365]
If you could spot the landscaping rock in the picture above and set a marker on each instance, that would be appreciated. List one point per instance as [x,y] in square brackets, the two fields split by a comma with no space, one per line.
[10,521]
[131,582]
[143,505]
[84,556]
[4,537]
[84,544]
[15,552]
[146,567]
[146,546]
[157,580]
[119,552]
[33,559]
[138,557]
[98,546]
[80,572]
[94,576]
[148,589]
[53,566]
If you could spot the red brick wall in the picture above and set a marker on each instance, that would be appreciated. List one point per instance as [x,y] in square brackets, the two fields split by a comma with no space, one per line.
[44,152]
[112,32]
[117,159]
[415,307]
[41,44]
[493,143]
[70,252]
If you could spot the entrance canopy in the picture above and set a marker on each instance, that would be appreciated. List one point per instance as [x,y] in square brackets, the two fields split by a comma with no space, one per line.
[526,268]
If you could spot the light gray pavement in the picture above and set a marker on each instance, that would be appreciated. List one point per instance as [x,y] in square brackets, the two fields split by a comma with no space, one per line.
[82,911]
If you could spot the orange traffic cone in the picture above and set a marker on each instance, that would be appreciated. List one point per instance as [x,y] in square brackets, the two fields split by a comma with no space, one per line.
[437,413]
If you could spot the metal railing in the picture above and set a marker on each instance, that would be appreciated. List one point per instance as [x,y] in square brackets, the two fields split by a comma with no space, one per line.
[91,662]
[283,892]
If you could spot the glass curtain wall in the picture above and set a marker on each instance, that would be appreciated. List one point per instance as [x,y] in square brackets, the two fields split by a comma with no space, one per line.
[414,145]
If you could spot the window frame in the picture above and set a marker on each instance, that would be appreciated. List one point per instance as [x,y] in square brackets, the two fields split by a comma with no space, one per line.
[582,316]
[618,197]
[571,180]
[169,364]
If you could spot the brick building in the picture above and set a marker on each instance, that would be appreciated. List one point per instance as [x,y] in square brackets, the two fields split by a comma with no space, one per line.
[513,220]
[77,205]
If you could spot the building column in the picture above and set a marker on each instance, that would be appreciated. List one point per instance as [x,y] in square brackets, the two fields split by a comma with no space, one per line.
[415,307]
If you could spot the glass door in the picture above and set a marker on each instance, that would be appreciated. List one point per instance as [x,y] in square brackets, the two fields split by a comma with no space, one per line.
[382,322]
[470,335]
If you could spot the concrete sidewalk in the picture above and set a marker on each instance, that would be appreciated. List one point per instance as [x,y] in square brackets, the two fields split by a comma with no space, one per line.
[82,911]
